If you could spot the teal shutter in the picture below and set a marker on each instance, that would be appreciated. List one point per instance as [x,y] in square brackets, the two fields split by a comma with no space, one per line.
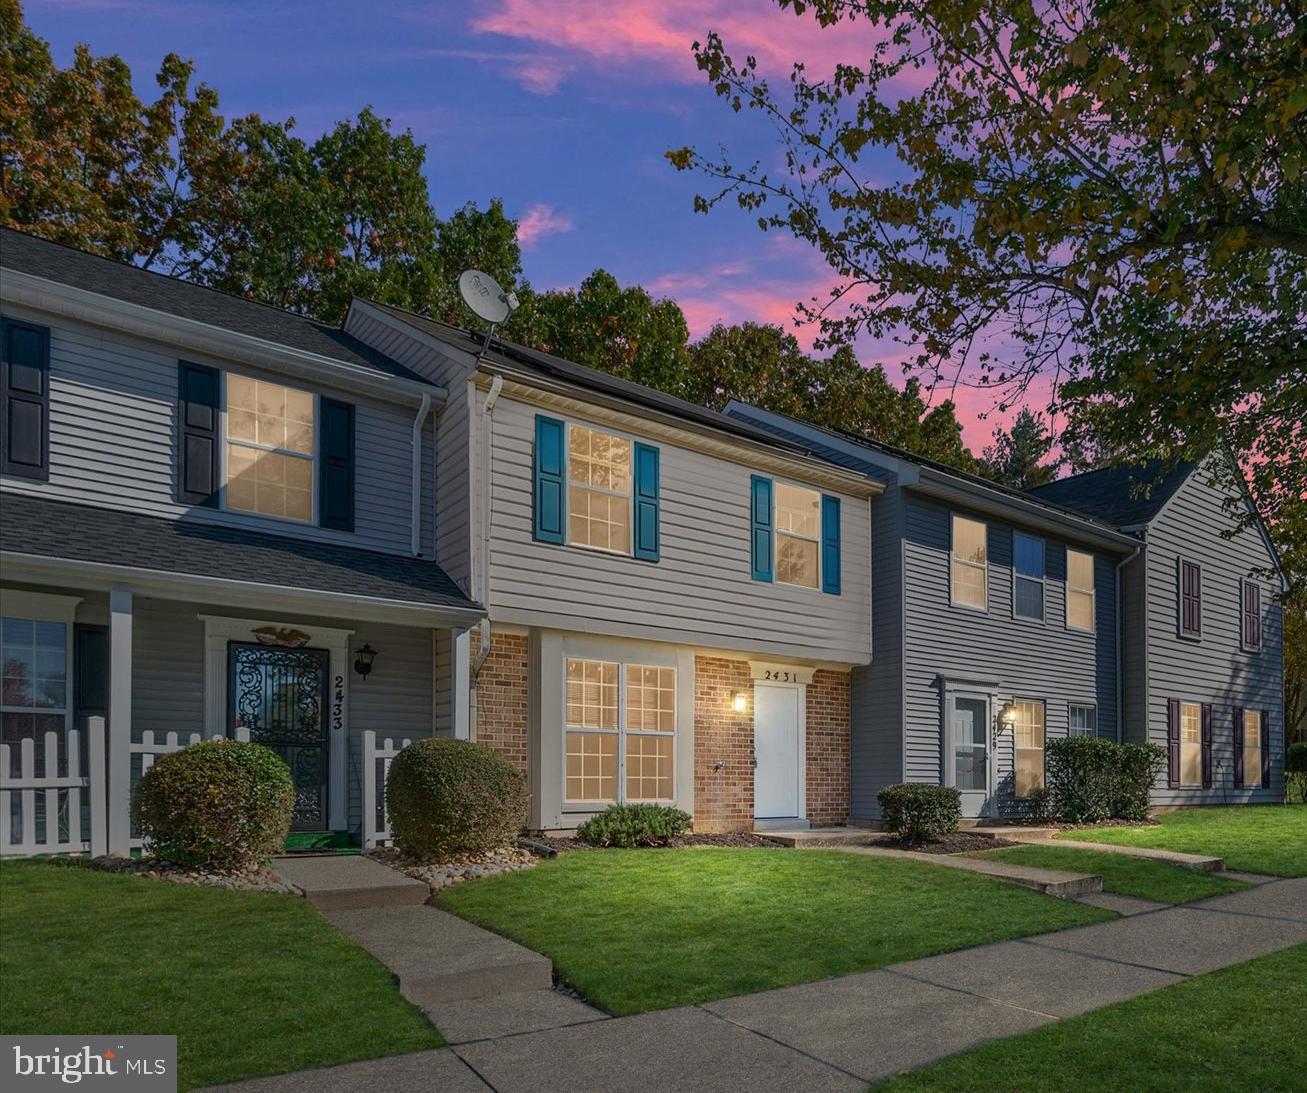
[550,472]
[646,502]
[760,527]
[830,544]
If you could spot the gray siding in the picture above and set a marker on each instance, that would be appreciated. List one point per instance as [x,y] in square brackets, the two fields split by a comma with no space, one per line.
[112,441]
[1134,650]
[699,593]
[1033,660]
[1213,669]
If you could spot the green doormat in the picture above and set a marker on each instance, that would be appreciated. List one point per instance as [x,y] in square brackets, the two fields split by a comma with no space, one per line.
[322,840]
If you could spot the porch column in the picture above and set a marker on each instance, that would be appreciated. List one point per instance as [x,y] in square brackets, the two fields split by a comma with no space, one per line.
[120,720]
[460,690]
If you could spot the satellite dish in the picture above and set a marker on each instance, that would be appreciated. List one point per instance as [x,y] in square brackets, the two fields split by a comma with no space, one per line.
[482,294]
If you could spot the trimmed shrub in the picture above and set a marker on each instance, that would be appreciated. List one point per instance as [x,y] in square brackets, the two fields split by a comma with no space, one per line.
[917,811]
[1041,808]
[1295,773]
[1080,777]
[1136,769]
[634,825]
[219,804]
[452,796]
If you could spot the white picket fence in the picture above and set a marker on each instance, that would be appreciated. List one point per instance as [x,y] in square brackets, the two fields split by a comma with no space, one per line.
[377,758]
[61,795]
[149,749]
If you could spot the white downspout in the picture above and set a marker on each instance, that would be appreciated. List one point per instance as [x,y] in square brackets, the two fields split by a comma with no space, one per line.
[1120,644]
[415,536]
[487,423]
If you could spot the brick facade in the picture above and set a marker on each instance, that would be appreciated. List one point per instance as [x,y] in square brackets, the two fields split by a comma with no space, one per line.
[502,697]
[828,749]
[723,799]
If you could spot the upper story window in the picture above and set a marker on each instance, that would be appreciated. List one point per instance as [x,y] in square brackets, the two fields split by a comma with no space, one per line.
[598,490]
[1080,590]
[270,446]
[1251,615]
[1191,599]
[1028,576]
[798,535]
[970,563]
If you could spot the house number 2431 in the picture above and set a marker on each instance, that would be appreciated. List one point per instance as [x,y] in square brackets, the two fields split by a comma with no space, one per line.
[780,677]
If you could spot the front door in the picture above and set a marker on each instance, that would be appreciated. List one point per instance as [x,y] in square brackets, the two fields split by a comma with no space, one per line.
[279,696]
[775,752]
[971,753]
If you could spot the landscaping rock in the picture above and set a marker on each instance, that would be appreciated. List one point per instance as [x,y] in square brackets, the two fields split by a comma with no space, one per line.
[258,879]
[460,867]
[958,842]
[736,838]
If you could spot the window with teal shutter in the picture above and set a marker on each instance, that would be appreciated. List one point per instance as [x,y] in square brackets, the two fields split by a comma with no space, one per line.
[760,527]
[550,480]
[830,544]
[646,502]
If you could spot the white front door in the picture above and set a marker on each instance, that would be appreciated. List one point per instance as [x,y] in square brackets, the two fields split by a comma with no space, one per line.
[776,751]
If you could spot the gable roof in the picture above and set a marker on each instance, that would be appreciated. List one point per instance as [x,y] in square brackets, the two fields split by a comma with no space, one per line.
[122,281]
[1126,496]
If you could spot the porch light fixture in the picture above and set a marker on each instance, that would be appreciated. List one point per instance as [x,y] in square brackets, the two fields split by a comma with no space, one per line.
[1007,716]
[739,701]
[363,660]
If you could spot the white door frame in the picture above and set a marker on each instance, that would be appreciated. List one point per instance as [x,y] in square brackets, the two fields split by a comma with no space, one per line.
[219,630]
[985,690]
[802,773]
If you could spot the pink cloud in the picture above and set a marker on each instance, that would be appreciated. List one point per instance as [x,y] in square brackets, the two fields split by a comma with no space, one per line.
[539,221]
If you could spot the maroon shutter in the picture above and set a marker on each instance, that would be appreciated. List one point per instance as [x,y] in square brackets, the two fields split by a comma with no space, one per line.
[1265,730]
[1173,742]
[1191,608]
[1252,615]
[1207,745]
[1238,745]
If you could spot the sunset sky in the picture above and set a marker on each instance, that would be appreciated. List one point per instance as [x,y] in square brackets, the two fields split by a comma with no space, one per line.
[564,110]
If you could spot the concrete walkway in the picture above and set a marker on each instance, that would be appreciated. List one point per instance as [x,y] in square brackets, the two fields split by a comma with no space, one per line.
[339,882]
[1198,863]
[840,1034]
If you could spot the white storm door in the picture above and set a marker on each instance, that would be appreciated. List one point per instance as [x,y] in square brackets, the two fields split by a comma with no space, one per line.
[776,751]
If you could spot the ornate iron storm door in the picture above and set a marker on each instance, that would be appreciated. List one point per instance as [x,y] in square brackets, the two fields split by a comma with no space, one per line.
[280,696]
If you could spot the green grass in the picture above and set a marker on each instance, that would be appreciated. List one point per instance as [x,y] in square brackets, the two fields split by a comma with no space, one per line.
[1121,873]
[249,983]
[1268,839]
[637,930]
[1233,1030]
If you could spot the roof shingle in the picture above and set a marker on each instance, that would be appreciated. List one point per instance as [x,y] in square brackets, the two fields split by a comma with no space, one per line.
[1125,496]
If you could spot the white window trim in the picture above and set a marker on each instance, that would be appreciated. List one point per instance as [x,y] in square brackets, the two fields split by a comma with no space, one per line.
[313,458]
[1092,592]
[568,483]
[1252,777]
[620,798]
[1244,584]
[1181,632]
[776,534]
[45,607]
[1198,745]
[1041,581]
[953,559]
[1081,706]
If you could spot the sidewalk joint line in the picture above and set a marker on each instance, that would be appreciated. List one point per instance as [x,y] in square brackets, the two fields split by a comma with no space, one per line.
[533,1031]
[972,994]
[1111,959]
[481,1077]
[781,1043]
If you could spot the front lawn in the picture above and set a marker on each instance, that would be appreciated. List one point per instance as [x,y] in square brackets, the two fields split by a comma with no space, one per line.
[1233,1030]
[637,930]
[1268,839]
[249,983]
[1121,873]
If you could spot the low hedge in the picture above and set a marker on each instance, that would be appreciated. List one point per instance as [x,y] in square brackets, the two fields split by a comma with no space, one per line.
[917,811]
[634,825]
[1295,773]
[451,796]
[1137,768]
[1091,779]
[219,804]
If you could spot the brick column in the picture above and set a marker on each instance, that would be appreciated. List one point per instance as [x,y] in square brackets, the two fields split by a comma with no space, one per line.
[502,698]
[723,799]
[828,749]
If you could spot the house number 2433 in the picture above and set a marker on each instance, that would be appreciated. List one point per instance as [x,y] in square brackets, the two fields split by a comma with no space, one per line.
[338,703]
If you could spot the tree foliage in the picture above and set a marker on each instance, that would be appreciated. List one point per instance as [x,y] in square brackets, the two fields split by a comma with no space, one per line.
[1107,195]
[1019,456]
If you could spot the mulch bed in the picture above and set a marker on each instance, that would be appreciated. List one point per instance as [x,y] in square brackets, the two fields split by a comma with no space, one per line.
[959,842]
[259,879]
[743,838]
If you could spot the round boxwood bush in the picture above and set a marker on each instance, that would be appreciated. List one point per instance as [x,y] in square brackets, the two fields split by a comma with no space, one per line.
[634,825]
[219,804]
[450,796]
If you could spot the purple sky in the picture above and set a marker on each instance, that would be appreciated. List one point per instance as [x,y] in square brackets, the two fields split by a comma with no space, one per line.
[563,110]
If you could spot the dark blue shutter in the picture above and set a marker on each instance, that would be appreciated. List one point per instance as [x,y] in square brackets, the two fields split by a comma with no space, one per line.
[1173,743]
[830,544]
[550,473]
[197,434]
[1238,746]
[336,473]
[646,502]
[1265,729]
[1207,745]
[760,527]
[25,401]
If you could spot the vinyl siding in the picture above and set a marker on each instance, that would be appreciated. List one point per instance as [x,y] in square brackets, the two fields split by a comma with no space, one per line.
[1134,650]
[1213,669]
[113,441]
[699,592]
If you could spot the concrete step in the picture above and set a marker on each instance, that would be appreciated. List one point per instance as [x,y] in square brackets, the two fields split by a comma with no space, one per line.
[343,882]
[820,836]
[438,957]
[1053,882]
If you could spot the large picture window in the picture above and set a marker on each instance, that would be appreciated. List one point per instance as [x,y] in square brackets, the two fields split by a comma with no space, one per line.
[970,574]
[598,490]
[1191,744]
[798,535]
[636,762]
[270,436]
[1080,590]
[1028,576]
[1028,733]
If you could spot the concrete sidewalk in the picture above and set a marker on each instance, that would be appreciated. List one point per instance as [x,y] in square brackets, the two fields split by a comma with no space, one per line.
[840,1034]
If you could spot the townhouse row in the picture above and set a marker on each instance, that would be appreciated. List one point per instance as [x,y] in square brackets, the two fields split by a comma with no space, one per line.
[222,518]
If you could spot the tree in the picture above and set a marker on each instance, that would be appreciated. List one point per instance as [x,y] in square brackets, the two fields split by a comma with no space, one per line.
[1107,195]
[1295,666]
[1017,456]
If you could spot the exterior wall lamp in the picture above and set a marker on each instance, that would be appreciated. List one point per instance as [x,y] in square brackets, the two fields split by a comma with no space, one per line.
[1007,719]
[363,660]
[739,701]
